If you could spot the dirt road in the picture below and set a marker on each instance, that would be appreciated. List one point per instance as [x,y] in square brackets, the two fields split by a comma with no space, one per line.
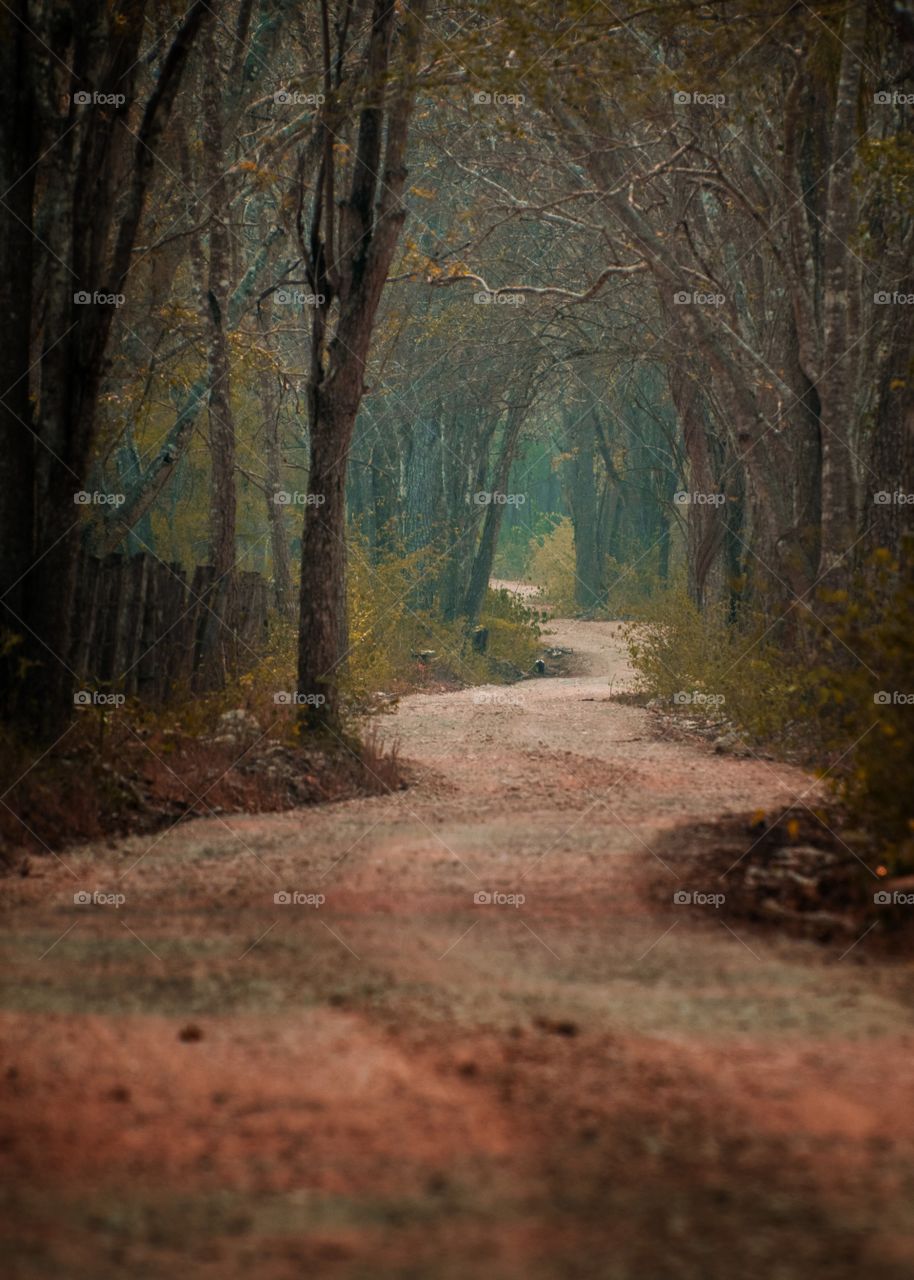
[562,1080]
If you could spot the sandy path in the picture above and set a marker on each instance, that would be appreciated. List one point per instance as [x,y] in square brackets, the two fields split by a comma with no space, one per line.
[401,1082]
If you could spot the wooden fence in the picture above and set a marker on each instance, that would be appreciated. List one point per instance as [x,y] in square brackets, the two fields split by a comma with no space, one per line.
[143,630]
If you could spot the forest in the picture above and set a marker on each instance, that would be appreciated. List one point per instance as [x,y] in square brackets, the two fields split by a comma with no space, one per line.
[457,529]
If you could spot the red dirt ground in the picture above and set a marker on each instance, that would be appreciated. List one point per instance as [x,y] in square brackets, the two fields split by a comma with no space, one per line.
[402,1082]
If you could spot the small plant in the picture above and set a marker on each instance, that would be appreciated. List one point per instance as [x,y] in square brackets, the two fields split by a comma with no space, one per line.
[513,629]
[867,700]
[551,565]
[832,684]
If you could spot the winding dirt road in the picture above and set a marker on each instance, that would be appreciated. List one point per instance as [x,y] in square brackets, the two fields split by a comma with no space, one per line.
[565,1079]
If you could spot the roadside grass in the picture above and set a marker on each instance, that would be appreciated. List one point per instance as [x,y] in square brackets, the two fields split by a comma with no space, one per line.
[829,685]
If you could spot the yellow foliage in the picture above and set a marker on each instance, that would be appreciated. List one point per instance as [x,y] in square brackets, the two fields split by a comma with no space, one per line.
[552,566]
[837,688]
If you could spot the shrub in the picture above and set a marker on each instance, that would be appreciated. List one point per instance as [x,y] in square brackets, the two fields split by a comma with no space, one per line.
[387,632]
[700,659]
[552,565]
[867,684]
[517,544]
[513,629]
[833,683]
[628,585]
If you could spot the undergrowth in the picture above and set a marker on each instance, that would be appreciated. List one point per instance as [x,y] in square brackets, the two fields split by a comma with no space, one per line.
[628,584]
[831,685]
[138,767]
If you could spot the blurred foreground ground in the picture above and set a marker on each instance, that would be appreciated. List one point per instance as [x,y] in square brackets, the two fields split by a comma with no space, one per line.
[405,1082]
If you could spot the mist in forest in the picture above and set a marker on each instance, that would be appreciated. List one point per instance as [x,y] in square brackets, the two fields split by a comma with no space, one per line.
[457,638]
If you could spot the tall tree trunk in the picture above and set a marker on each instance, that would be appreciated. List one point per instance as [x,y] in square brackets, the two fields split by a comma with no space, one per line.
[488,542]
[17,442]
[322,586]
[90,231]
[462,477]
[582,489]
[384,462]
[217,641]
[704,520]
[348,263]
[422,505]
[276,511]
[841,311]
[218,196]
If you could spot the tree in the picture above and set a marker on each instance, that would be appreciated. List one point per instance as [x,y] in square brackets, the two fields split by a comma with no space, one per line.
[89,174]
[348,248]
